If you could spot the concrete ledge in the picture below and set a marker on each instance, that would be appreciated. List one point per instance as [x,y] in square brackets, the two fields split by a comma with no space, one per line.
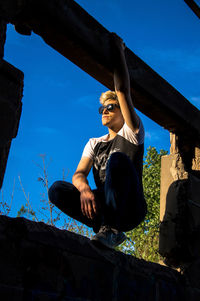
[40,262]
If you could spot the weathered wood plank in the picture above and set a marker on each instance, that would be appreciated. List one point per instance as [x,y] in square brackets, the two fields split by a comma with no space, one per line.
[194,7]
[69,29]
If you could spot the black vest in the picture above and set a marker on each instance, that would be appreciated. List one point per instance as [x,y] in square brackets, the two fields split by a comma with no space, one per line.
[104,149]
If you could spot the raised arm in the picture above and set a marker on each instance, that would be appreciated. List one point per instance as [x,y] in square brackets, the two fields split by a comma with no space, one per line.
[88,203]
[122,82]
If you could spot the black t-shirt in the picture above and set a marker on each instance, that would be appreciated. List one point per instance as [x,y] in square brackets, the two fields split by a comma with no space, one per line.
[126,141]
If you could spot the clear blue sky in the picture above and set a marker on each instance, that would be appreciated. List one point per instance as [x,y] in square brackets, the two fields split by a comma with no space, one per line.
[60,101]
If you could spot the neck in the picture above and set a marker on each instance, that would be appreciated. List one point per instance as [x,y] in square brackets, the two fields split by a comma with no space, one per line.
[113,132]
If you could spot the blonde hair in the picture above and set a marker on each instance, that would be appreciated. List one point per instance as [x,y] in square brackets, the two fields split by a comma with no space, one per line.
[108,95]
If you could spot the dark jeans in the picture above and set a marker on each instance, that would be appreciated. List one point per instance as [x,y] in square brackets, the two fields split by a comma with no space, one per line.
[122,202]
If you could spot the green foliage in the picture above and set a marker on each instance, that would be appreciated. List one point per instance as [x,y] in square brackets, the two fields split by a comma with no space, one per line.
[25,211]
[5,206]
[145,237]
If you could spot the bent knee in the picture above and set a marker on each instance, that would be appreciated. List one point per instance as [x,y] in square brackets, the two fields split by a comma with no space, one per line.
[59,190]
[53,191]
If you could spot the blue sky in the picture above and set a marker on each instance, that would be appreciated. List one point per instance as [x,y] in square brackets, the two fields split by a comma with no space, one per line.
[60,101]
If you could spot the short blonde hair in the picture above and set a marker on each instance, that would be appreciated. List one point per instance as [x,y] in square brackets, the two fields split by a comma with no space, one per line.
[108,95]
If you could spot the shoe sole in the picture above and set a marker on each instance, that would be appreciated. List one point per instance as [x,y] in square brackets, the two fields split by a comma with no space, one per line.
[100,242]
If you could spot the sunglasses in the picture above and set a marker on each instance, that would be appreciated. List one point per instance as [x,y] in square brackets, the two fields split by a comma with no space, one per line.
[109,107]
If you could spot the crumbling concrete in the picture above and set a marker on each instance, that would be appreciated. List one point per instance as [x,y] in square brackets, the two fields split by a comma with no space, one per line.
[173,198]
[2,37]
[180,209]
[40,262]
[11,89]
[196,160]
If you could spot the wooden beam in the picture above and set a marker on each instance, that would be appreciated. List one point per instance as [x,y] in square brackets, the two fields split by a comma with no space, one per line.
[194,7]
[70,30]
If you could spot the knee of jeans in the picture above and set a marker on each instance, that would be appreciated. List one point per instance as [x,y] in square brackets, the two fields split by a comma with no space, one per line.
[52,192]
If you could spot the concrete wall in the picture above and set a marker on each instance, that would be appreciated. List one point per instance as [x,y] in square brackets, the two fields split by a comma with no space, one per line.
[11,89]
[173,194]
[2,37]
[40,262]
[180,209]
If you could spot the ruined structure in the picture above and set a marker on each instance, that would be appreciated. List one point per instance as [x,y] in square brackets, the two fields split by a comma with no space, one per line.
[41,262]
[44,263]
[11,88]
[180,208]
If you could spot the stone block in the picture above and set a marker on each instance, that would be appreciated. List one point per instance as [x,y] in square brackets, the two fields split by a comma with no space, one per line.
[41,262]
[2,37]
[4,151]
[196,159]
[172,169]
[173,211]
[179,239]
[11,89]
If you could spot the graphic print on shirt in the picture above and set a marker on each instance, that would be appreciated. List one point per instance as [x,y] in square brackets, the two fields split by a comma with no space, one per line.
[101,162]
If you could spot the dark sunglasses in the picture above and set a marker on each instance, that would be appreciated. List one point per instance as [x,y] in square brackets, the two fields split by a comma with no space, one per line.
[109,107]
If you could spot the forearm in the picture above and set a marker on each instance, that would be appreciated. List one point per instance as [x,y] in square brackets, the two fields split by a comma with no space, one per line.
[80,181]
[121,75]
[122,79]
[122,82]
[120,69]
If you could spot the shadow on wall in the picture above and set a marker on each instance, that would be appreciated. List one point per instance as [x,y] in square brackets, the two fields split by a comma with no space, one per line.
[180,228]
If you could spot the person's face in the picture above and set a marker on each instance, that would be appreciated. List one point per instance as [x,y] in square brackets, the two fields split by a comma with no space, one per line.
[113,118]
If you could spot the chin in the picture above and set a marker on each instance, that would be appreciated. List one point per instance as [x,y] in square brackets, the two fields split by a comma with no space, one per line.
[105,122]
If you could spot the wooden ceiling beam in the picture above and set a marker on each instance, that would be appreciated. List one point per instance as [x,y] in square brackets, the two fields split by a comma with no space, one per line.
[70,30]
[194,7]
